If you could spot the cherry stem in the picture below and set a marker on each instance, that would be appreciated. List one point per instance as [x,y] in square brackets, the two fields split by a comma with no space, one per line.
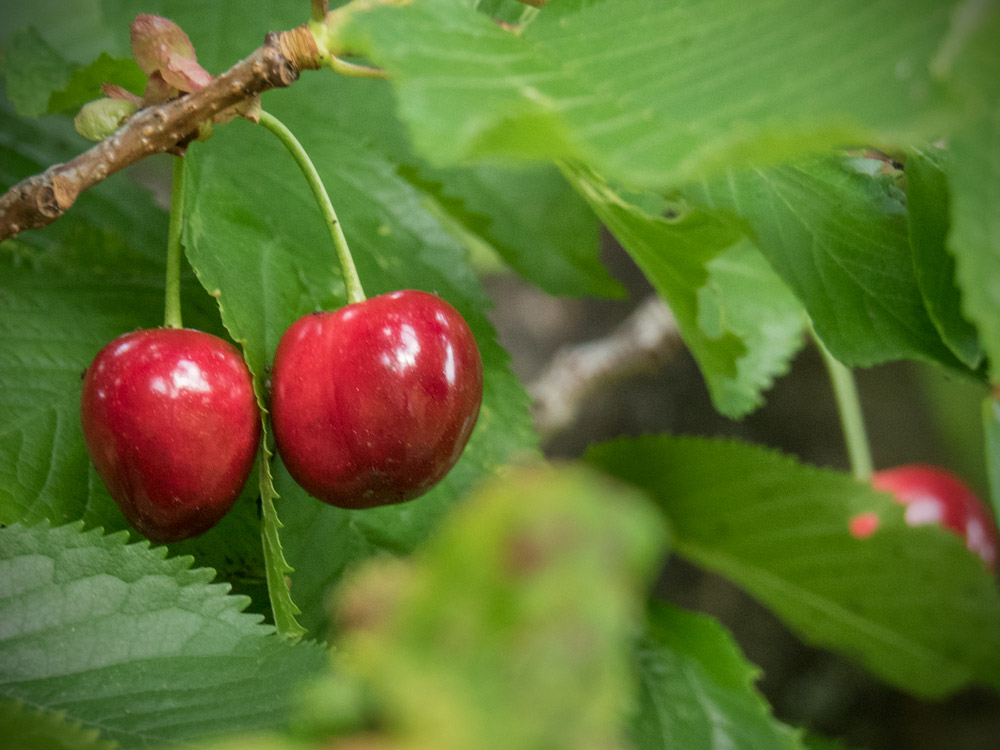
[852,421]
[355,293]
[354,70]
[172,295]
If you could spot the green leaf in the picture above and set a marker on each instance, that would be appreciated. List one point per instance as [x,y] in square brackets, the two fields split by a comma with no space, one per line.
[77,29]
[512,627]
[52,326]
[736,316]
[32,729]
[65,292]
[276,567]
[84,84]
[222,32]
[838,237]
[991,434]
[528,214]
[700,86]
[927,208]
[140,646]
[696,690]
[258,244]
[32,70]
[911,604]
[531,217]
[974,179]
[508,11]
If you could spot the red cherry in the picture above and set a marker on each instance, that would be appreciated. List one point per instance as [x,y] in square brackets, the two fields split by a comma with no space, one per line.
[932,495]
[171,423]
[372,404]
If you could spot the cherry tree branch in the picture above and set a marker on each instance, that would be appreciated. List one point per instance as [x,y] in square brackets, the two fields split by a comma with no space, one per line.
[647,339]
[39,200]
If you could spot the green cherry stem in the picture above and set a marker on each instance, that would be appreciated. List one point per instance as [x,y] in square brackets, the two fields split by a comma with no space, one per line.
[353,284]
[852,422]
[172,301]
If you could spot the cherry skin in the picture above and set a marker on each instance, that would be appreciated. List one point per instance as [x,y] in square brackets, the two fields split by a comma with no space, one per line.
[171,423]
[372,404]
[933,495]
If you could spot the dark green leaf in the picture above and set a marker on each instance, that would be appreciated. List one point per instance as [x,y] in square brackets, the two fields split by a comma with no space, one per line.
[838,237]
[76,28]
[66,291]
[699,86]
[737,317]
[532,219]
[910,603]
[115,223]
[32,70]
[31,729]
[51,327]
[927,208]
[276,567]
[84,84]
[696,690]
[142,647]
[991,433]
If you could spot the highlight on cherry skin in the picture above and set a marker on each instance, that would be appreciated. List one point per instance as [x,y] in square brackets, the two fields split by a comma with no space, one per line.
[373,404]
[933,495]
[171,424]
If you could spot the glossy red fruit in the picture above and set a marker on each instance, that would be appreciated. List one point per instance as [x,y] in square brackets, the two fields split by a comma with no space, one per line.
[372,404]
[933,495]
[171,423]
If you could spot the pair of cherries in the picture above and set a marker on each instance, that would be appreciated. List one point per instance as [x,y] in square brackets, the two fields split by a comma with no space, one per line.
[371,405]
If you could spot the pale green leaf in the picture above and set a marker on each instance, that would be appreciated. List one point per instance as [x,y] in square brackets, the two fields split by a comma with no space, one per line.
[135,644]
[737,317]
[656,93]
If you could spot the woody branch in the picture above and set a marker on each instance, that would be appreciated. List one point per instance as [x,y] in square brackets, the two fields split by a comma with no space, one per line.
[40,199]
